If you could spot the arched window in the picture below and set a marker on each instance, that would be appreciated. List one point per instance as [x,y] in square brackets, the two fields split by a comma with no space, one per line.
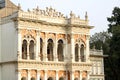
[31,49]
[82,53]
[32,78]
[50,50]
[61,78]
[41,49]
[50,78]
[23,78]
[24,49]
[76,79]
[76,53]
[60,51]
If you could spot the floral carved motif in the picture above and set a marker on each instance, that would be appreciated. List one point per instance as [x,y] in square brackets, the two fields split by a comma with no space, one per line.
[59,36]
[51,73]
[62,74]
[51,35]
[25,32]
[42,34]
[76,74]
[33,73]
[24,73]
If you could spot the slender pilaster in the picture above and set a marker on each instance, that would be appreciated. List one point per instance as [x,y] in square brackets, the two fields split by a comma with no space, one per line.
[80,75]
[71,75]
[19,44]
[38,75]
[37,46]
[28,74]
[45,49]
[66,46]
[55,49]
[45,77]
[19,74]
[72,48]
[87,47]
[88,75]
[28,57]
[57,75]
[79,54]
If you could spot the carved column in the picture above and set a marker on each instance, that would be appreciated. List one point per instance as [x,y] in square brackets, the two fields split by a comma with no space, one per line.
[28,56]
[55,49]
[45,77]
[29,75]
[79,56]
[18,72]
[80,75]
[72,48]
[19,44]
[37,46]
[57,75]
[87,47]
[45,49]
[71,75]
[38,75]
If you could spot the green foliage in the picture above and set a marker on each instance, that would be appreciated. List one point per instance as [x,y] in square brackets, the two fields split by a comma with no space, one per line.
[114,55]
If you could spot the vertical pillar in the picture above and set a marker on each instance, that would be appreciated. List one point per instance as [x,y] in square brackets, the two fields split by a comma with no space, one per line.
[71,75]
[19,74]
[19,44]
[28,74]
[38,75]
[57,75]
[45,49]
[37,46]
[72,48]
[87,47]
[28,56]
[66,52]
[88,75]
[55,49]
[45,77]
[80,75]
[79,56]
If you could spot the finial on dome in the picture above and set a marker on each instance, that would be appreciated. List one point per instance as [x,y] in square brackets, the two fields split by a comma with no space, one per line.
[86,16]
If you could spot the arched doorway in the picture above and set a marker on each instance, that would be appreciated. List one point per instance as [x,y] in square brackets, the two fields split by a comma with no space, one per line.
[23,78]
[76,52]
[50,78]
[50,50]
[24,49]
[60,51]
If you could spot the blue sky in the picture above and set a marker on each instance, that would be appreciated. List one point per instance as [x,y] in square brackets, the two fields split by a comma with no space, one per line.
[98,10]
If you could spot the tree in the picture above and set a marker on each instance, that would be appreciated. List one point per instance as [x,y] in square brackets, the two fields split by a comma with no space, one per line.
[114,29]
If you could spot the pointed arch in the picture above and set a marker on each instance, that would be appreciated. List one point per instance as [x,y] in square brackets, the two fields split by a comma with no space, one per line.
[50,50]
[76,53]
[50,78]
[32,78]
[24,49]
[82,53]
[60,50]
[31,50]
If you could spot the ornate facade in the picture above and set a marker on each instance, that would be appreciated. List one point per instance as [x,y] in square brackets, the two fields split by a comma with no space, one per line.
[46,45]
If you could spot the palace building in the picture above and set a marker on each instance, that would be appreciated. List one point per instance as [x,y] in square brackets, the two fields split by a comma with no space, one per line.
[46,45]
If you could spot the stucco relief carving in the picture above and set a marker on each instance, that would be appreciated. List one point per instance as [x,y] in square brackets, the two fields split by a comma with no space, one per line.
[51,73]
[84,74]
[77,74]
[26,32]
[59,36]
[33,73]
[42,73]
[61,74]
[24,73]
[51,35]
[42,35]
